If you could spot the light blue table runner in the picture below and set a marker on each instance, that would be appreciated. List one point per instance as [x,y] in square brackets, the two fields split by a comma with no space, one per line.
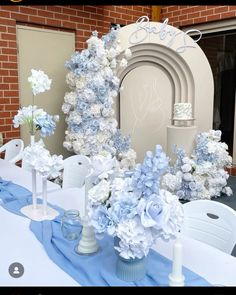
[88,270]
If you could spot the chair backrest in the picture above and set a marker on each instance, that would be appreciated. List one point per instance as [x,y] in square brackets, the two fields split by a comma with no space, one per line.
[76,169]
[13,150]
[210,222]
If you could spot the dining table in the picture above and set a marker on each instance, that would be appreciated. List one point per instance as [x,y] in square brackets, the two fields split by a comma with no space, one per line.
[19,244]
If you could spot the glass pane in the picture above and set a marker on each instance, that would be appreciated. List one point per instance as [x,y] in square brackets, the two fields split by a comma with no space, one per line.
[220,51]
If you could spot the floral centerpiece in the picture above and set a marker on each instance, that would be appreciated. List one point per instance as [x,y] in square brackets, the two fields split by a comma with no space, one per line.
[203,175]
[92,128]
[134,208]
[38,158]
[36,118]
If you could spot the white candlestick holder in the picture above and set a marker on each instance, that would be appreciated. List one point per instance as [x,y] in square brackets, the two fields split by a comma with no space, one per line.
[40,212]
[176,278]
[88,243]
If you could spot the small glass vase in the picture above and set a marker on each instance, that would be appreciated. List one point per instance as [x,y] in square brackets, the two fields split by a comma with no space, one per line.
[71,225]
[130,270]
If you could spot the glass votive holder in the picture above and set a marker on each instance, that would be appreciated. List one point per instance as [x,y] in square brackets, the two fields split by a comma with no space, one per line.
[71,225]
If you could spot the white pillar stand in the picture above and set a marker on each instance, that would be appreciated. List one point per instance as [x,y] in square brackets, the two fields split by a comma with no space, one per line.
[182,136]
[42,211]
[176,278]
[88,243]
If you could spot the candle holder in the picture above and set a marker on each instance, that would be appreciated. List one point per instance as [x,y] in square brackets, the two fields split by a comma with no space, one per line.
[88,243]
[41,211]
[176,278]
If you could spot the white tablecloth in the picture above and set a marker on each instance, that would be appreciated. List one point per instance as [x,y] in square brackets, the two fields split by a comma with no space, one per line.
[9,171]
[18,244]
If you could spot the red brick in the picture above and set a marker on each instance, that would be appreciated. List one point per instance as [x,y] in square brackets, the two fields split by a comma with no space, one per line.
[199,20]
[11,93]
[52,22]
[4,100]
[9,65]
[12,44]
[12,134]
[69,25]
[61,16]
[3,29]
[5,128]
[11,107]
[5,114]
[221,9]
[4,14]
[27,10]
[213,17]
[200,8]
[7,121]
[10,79]
[76,19]
[9,51]
[6,36]
[207,12]
[232,7]
[14,100]
[3,58]
[228,14]
[52,8]
[4,86]
[37,19]
[20,17]
[8,22]
[45,13]
[69,11]
[10,8]
[3,43]
[3,72]
[14,86]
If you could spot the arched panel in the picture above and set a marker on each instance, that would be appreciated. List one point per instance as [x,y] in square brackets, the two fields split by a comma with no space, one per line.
[188,78]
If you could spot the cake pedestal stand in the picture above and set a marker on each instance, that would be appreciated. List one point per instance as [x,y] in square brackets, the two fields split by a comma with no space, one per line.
[181,136]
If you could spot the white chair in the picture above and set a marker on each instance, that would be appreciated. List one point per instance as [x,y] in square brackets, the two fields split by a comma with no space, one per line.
[210,222]
[13,150]
[76,169]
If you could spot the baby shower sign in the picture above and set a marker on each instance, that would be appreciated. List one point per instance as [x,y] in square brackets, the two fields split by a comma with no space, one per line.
[164,33]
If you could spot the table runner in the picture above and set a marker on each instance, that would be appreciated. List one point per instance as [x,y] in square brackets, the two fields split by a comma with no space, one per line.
[88,270]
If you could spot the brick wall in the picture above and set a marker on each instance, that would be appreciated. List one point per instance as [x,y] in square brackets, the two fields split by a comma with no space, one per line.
[82,19]
[180,15]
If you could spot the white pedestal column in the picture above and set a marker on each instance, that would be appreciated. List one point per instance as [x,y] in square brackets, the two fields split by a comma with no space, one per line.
[183,137]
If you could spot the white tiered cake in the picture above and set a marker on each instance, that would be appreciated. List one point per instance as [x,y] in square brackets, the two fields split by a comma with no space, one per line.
[182,111]
[182,133]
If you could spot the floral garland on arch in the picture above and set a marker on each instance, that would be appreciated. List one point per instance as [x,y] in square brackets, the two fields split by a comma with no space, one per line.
[203,175]
[92,128]
[134,208]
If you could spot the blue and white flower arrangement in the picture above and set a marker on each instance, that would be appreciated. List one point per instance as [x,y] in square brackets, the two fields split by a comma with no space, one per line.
[92,78]
[134,208]
[203,175]
[36,118]
[37,157]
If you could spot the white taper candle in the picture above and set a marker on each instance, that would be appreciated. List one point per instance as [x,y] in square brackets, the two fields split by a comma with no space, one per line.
[44,195]
[176,278]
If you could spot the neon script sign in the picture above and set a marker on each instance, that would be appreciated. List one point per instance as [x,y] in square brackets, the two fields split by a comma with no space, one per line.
[166,32]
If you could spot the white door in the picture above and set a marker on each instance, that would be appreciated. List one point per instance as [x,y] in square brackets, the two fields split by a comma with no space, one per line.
[45,50]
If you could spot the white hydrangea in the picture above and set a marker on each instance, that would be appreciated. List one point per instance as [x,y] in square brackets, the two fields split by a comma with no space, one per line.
[39,81]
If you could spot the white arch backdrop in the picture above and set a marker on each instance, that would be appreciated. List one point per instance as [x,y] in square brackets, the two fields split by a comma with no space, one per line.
[166,66]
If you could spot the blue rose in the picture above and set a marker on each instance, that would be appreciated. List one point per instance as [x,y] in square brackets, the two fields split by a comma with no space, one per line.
[102,222]
[151,211]
[125,207]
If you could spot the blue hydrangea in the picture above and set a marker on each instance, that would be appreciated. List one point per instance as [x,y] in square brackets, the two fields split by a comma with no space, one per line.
[146,176]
